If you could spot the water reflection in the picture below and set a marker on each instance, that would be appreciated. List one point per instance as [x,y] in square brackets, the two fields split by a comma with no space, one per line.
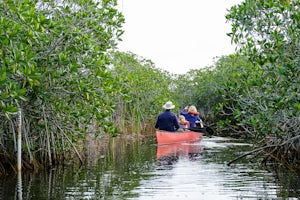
[202,178]
[178,149]
[139,169]
[168,154]
[19,186]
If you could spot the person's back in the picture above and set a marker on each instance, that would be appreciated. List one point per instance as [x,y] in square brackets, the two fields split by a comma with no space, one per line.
[183,123]
[167,120]
[190,115]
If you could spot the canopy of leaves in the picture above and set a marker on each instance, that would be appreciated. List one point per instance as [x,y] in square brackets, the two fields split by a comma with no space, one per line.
[268,33]
[144,90]
[257,91]
[53,58]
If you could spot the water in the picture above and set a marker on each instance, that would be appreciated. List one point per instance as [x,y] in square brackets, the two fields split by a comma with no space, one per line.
[139,170]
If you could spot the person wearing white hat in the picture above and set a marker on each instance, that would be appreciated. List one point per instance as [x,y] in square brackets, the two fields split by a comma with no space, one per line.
[167,120]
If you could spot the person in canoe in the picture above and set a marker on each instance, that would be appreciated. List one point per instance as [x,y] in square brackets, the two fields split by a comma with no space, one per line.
[192,115]
[167,120]
[183,123]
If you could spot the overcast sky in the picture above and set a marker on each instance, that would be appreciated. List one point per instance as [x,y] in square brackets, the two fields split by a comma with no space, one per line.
[177,35]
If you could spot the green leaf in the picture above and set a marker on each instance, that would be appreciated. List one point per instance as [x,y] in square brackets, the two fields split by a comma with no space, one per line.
[10,109]
[3,76]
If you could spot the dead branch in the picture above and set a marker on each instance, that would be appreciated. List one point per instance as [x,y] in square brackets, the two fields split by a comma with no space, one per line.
[262,148]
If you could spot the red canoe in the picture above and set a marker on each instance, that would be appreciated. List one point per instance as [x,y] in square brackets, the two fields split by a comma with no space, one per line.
[165,137]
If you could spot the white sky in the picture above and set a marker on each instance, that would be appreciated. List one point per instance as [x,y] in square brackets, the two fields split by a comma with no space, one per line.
[177,35]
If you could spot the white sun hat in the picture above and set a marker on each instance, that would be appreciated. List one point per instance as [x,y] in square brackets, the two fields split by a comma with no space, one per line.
[169,105]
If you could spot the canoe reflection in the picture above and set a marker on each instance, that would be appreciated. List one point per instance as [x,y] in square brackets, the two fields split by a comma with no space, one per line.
[170,153]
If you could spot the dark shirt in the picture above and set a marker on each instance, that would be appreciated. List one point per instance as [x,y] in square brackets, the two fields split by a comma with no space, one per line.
[190,117]
[167,121]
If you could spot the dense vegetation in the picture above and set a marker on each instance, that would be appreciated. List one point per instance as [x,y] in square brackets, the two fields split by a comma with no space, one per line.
[59,67]
[256,92]
[54,68]
[268,104]
[144,90]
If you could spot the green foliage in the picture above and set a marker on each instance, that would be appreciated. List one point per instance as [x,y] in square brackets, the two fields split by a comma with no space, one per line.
[217,90]
[198,88]
[53,59]
[268,33]
[237,80]
[143,90]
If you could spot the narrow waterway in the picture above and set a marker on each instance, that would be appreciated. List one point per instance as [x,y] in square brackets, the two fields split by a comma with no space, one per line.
[139,169]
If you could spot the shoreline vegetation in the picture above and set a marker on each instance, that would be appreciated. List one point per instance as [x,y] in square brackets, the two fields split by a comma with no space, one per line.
[60,67]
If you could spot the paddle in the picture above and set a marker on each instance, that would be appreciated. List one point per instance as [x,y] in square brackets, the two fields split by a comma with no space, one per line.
[196,129]
[209,130]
